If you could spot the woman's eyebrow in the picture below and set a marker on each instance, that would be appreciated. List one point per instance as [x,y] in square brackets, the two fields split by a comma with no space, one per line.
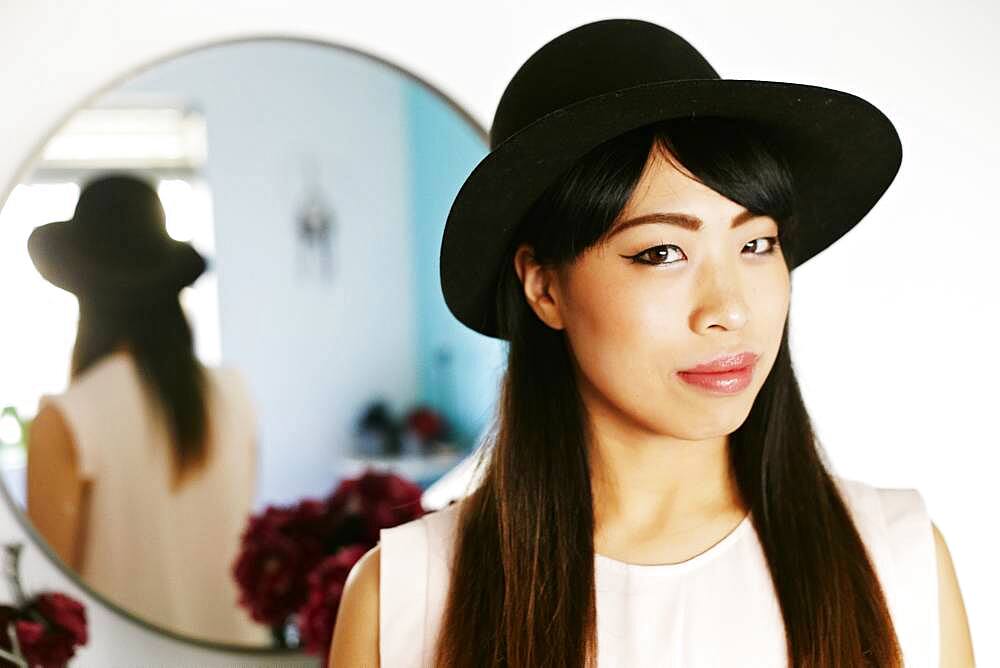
[687,221]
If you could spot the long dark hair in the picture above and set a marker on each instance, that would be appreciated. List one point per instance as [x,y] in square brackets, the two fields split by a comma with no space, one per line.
[160,343]
[522,585]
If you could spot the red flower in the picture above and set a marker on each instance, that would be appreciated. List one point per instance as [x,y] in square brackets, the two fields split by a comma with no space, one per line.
[283,545]
[326,586]
[49,629]
[65,613]
[41,648]
[379,500]
[426,422]
[278,546]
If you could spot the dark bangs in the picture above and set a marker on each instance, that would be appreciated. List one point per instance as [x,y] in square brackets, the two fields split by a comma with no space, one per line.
[739,160]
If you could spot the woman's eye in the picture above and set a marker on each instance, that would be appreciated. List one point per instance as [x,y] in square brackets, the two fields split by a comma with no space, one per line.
[656,253]
[772,243]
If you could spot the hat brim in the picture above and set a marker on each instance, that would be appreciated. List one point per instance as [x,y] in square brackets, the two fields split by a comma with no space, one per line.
[63,261]
[843,151]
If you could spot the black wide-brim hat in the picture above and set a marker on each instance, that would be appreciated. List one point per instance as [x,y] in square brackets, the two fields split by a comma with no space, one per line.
[605,78]
[115,250]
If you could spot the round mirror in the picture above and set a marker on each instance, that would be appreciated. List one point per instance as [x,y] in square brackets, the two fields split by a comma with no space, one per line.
[151,405]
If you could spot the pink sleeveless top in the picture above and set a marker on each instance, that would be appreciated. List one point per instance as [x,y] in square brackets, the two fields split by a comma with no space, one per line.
[164,556]
[716,609]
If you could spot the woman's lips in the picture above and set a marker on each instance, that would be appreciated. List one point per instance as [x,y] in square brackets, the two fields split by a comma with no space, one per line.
[725,382]
[724,362]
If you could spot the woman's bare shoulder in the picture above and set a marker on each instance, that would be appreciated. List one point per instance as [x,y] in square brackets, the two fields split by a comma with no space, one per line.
[956,639]
[355,632]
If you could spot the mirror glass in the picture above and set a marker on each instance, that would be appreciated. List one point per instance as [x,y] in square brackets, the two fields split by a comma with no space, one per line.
[314,181]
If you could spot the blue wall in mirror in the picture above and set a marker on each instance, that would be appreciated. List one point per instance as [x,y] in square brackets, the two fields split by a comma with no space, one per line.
[458,369]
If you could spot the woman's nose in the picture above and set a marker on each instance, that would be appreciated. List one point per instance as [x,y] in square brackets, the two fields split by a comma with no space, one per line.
[720,301]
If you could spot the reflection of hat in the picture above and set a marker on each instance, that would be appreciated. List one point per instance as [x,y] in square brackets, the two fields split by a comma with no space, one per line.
[115,248]
[604,78]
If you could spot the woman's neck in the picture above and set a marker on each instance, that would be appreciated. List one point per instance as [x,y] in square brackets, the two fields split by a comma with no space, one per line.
[662,490]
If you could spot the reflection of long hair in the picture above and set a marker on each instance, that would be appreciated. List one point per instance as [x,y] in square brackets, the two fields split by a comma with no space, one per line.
[522,586]
[160,339]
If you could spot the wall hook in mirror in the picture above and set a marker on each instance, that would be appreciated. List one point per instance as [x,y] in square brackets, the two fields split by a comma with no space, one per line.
[314,225]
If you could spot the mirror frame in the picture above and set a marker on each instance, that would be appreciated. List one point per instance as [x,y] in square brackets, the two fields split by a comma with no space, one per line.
[25,169]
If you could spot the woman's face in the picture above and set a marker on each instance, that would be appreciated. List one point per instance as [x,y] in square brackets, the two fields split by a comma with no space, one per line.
[701,293]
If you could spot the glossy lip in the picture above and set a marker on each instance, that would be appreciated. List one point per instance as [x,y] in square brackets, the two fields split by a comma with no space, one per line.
[729,382]
[723,363]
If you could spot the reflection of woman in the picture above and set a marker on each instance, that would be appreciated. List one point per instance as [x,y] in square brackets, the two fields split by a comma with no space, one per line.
[142,473]
[631,510]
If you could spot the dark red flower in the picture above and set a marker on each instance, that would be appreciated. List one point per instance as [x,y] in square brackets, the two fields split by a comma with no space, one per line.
[379,500]
[326,587]
[283,545]
[49,629]
[44,648]
[65,613]
[279,546]
[427,422]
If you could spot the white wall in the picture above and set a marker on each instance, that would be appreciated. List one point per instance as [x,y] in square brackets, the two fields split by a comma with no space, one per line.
[893,328]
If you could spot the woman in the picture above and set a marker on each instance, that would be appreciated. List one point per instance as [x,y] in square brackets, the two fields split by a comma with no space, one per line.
[142,473]
[653,493]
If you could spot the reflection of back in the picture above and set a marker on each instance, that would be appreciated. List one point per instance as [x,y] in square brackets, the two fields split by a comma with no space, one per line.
[141,474]
[163,555]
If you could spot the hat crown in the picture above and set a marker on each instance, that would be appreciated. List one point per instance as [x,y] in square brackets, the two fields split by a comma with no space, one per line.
[594,59]
[121,215]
